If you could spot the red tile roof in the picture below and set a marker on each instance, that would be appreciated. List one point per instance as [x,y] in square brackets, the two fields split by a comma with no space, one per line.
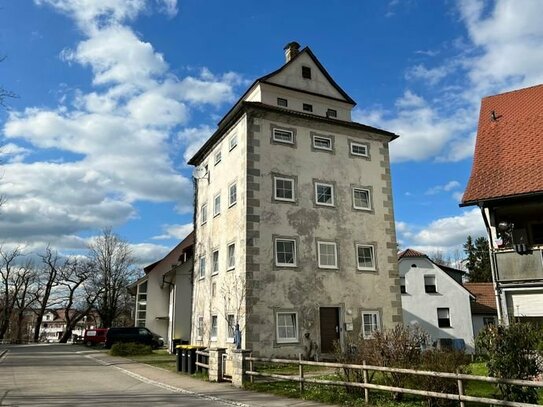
[410,253]
[485,300]
[509,148]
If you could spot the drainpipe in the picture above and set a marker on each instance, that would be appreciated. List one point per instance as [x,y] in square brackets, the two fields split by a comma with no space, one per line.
[493,267]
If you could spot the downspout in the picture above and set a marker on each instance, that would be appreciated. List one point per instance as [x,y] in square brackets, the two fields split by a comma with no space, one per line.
[493,266]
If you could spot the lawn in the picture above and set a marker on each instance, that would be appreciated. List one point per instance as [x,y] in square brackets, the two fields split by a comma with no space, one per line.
[159,358]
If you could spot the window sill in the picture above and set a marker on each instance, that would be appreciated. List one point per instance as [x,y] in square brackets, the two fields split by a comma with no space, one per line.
[290,266]
[213,339]
[325,205]
[286,343]
[232,204]
[357,208]
[327,268]
[217,214]
[230,268]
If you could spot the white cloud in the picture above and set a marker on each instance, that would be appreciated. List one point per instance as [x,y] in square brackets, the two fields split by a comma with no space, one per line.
[178,232]
[431,75]
[449,186]
[193,139]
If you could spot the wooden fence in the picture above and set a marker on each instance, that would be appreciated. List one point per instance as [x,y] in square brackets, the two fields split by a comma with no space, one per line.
[201,358]
[460,379]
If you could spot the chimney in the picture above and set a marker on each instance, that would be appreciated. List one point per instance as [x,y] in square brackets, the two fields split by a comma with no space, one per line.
[291,50]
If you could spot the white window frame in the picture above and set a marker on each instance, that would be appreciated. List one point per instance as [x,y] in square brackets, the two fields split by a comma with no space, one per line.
[200,328]
[230,328]
[202,267]
[203,214]
[430,278]
[448,311]
[325,266]
[293,339]
[215,257]
[316,147]
[377,321]
[282,239]
[235,195]
[218,157]
[214,328]
[362,208]
[233,142]
[274,132]
[230,259]
[317,184]
[364,268]
[365,146]
[217,208]
[275,197]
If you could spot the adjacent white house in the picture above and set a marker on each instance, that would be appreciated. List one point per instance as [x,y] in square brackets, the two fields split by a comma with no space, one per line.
[434,298]
[164,294]
[294,225]
[483,309]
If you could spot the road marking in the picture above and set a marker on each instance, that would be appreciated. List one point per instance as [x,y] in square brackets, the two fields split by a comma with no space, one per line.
[3,355]
[166,386]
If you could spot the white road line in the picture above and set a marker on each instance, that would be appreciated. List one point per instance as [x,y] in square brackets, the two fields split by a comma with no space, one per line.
[166,386]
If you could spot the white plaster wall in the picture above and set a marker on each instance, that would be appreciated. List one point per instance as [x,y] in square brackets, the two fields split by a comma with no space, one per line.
[217,233]
[420,307]
[158,300]
[182,302]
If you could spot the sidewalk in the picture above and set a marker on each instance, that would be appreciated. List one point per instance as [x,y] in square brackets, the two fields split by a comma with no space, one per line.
[221,392]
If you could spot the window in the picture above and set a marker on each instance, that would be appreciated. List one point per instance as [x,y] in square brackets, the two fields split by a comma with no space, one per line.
[324,194]
[489,321]
[217,205]
[361,199]
[306,72]
[282,102]
[233,142]
[307,107]
[200,328]
[218,157]
[327,255]
[232,195]
[231,321]
[283,136]
[443,318]
[202,267]
[322,143]
[430,284]
[370,323]
[365,257]
[231,261]
[215,263]
[402,285]
[283,189]
[141,305]
[359,149]
[285,252]
[331,113]
[203,213]
[213,332]
[287,327]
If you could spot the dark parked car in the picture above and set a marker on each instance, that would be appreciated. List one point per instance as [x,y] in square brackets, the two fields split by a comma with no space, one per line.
[135,335]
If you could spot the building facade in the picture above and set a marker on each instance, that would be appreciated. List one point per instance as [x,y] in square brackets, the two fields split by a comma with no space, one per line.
[434,299]
[295,240]
[506,182]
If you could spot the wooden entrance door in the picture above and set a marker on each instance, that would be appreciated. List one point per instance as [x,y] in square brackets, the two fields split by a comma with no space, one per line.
[329,317]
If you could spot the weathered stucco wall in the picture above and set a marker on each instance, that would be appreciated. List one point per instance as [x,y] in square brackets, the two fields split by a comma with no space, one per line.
[305,288]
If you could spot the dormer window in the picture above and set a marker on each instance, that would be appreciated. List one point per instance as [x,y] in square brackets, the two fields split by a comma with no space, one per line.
[306,72]
[331,113]
[307,107]
[282,102]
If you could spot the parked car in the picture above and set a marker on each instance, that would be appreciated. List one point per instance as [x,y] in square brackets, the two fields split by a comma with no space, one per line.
[93,337]
[135,335]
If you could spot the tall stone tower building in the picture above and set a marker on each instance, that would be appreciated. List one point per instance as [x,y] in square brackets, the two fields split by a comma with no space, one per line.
[295,238]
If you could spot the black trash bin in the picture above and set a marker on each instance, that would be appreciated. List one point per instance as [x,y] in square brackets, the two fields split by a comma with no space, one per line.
[175,342]
[179,358]
[184,357]
[191,360]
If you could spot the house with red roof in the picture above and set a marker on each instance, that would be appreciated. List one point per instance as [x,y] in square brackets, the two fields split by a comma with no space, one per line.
[506,183]
[483,309]
[434,299]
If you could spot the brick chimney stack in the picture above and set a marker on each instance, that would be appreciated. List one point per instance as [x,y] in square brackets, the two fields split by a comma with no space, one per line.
[291,50]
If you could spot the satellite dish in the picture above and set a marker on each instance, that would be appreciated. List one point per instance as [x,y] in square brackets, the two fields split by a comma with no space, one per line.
[199,172]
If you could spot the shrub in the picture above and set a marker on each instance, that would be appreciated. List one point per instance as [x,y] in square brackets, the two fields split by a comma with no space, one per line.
[511,354]
[130,349]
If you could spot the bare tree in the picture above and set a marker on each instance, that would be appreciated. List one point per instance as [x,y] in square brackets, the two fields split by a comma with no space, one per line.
[48,280]
[25,283]
[81,296]
[113,264]
[8,272]
[233,293]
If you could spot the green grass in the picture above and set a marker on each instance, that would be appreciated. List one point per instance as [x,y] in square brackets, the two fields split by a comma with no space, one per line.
[289,369]
[159,358]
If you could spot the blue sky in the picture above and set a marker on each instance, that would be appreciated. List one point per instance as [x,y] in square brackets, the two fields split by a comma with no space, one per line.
[114,95]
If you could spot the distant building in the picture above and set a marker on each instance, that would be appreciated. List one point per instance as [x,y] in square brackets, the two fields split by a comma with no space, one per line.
[434,298]
[294,225]
[483,309]
[54,324]
[506,182]
[164,294]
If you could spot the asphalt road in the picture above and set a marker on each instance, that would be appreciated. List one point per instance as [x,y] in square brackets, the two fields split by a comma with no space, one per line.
[62,375]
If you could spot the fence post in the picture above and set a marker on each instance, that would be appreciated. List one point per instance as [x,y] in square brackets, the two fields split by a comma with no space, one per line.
[301,370]
[238,366]
[251,368]
[366,390]
[460,390]
[215,364]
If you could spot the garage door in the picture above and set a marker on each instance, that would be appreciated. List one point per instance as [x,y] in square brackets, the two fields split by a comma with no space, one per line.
[527,305]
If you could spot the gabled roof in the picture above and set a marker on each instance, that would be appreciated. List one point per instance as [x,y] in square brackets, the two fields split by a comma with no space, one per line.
[509,147]
[485,300]
[410,253]
[184,244]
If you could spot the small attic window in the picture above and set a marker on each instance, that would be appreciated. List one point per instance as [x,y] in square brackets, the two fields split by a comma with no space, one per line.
[282,102]
[306,72]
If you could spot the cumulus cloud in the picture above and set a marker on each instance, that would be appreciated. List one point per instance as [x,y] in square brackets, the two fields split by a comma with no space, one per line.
[177,232]
[449,186]
[116,139]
